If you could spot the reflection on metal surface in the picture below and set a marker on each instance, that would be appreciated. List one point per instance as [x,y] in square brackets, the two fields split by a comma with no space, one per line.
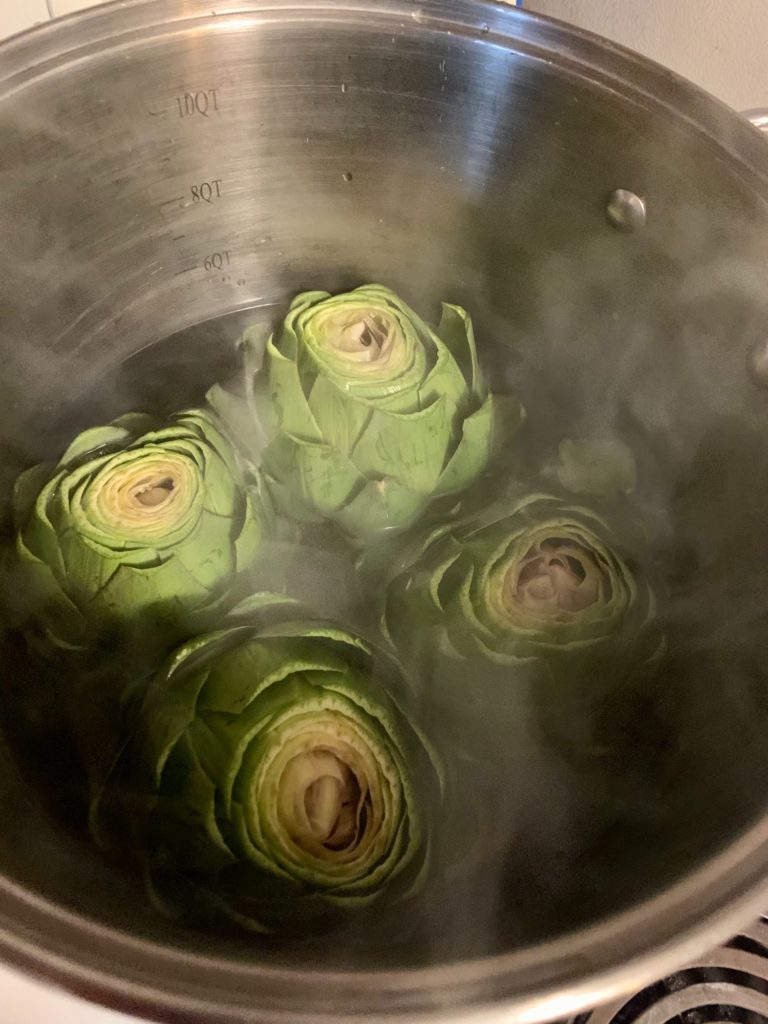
[626,210]
[757,364]
[730,984]
[759,118]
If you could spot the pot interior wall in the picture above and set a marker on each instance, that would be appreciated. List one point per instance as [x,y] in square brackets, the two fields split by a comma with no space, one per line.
[320,152]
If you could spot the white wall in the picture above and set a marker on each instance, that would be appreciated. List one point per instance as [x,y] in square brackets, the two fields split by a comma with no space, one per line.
[721,45]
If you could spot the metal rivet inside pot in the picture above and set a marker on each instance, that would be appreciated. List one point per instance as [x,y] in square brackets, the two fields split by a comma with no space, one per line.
[626,210]
[757,364]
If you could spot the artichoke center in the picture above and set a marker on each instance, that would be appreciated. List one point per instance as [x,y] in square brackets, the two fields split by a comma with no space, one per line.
[556,575]
[146,498]
[152,493]
[327,799]
[372,333]
[363,338]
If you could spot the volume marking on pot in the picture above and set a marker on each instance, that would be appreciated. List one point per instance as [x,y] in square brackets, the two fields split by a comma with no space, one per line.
[202,102]
[217,260]
[206,191]
[177,200]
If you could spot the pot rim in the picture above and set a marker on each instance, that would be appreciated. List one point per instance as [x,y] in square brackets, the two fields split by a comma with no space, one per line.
[551,980]
[163,983]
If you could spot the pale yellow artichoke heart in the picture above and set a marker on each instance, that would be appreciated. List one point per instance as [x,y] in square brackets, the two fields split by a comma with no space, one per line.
[149,496]
[335,800]
[556,578]
[323,799]
[363,337]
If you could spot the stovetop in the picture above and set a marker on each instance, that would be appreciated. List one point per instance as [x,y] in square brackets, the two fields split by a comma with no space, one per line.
[728,985]
[721,45]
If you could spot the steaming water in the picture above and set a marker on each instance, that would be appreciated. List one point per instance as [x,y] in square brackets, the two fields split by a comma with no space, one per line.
[558,844]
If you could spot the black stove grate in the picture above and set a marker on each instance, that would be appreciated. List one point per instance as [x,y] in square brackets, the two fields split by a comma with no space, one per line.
[728,986]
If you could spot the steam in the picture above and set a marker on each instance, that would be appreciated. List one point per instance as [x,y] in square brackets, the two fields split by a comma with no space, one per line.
[605,336]
[543,824]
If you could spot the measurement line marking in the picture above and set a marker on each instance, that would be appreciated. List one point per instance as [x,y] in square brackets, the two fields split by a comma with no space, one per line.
[167,202]
[178,238]
[180,273]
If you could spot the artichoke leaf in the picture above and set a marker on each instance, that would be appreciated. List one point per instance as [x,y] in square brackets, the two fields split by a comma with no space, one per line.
[445,380]
[248,541]
[144,596]
[171,716]
[209,430]
[136,423]
[38,536]
[191,795]
[603,468]
[457,332]
[341,420]
[380,506]
[259,602]
[284,497]
[472,452]
[230,687]
[208,556]
[325,478]
[222,741]
[406,448]
[94,440]
[287,392]
[27,487]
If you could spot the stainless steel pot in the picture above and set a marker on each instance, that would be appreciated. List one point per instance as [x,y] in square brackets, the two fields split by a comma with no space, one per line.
[164,162]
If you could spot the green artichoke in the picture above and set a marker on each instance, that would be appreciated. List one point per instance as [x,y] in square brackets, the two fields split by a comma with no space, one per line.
[289,785]
[138,528]
[528,578]
[375,413]
[536,588]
